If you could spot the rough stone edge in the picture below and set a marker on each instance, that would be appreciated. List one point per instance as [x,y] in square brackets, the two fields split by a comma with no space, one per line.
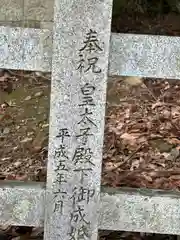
[127,209]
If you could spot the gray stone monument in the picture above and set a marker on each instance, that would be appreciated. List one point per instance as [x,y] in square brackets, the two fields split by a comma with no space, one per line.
[79,74]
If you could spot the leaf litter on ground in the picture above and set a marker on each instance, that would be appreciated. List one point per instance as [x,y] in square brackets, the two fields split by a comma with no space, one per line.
[142,134]
[141,144]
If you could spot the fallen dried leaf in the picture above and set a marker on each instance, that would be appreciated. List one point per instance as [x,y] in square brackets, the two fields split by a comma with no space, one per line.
[133,81]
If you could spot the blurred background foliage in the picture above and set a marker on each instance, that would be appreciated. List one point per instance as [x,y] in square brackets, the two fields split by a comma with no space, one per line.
[150,7]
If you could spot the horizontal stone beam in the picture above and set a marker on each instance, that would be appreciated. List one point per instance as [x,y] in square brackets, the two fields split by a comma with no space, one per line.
[22,204]
[145,56]
[25,49]
[121,209]
[130,54]
[140,210]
